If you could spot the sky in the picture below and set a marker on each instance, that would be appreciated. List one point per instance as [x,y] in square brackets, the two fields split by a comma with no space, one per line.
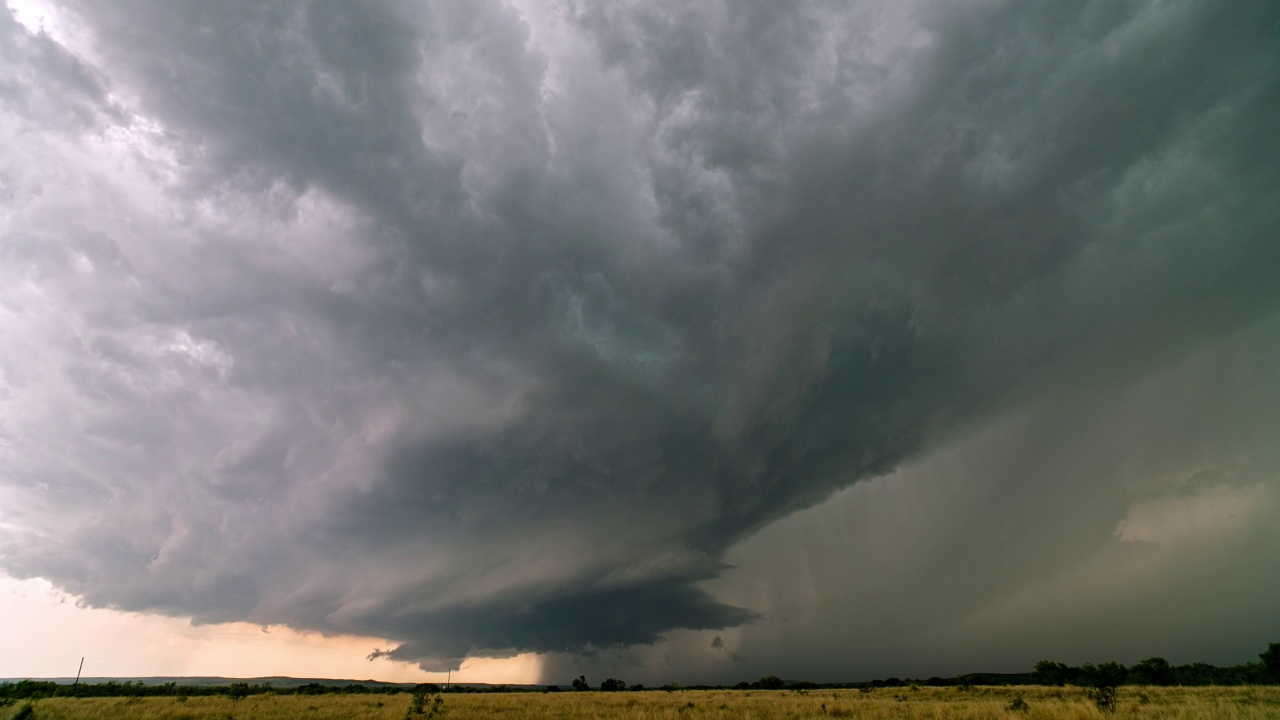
[672,341]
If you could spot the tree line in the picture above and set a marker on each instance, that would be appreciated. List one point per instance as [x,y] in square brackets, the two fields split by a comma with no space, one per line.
[1158,671]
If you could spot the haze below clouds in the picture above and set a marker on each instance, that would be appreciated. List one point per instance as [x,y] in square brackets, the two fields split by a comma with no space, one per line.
[677,341]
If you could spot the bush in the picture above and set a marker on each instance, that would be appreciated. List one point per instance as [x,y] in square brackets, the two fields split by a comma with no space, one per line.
[1103,682]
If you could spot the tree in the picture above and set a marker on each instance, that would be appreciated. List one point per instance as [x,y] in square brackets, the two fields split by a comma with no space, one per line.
[771,682]
[1271,661]
[581,683]
[1152,671]
[1048,672]
[613,685]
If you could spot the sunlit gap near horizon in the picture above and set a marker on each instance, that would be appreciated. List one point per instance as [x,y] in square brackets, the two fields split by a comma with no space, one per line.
[59,632]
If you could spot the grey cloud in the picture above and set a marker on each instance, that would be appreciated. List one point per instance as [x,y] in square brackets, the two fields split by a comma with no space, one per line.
[478,345]
[47,86]
[1019,541]
[582,621]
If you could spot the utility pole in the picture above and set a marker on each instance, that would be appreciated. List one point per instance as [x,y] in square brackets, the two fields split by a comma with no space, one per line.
[77,682]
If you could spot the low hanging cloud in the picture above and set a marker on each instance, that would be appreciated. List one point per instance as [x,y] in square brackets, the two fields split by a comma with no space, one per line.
[490,328]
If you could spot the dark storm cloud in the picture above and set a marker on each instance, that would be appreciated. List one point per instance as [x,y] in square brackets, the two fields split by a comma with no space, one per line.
[1119,523]
[412,321]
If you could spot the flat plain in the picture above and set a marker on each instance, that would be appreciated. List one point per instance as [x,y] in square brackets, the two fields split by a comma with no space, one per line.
[977,703]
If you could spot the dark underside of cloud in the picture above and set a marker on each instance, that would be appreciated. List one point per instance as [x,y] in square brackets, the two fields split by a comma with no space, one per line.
[480,334]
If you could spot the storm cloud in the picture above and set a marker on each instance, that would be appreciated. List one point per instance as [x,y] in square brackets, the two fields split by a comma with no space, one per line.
[492,328]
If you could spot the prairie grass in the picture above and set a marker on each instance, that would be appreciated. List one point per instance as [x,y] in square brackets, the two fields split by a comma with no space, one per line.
[979,703]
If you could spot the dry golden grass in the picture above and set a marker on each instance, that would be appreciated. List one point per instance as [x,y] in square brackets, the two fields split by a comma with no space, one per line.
[1234,703]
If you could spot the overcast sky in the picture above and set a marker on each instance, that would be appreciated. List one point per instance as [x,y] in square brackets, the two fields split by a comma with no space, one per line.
[679,341]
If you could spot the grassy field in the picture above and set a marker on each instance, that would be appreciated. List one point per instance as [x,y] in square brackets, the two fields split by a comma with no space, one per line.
[1243,703]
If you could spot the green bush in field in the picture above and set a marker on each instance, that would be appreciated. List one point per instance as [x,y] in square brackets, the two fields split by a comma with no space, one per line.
[1103,681]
